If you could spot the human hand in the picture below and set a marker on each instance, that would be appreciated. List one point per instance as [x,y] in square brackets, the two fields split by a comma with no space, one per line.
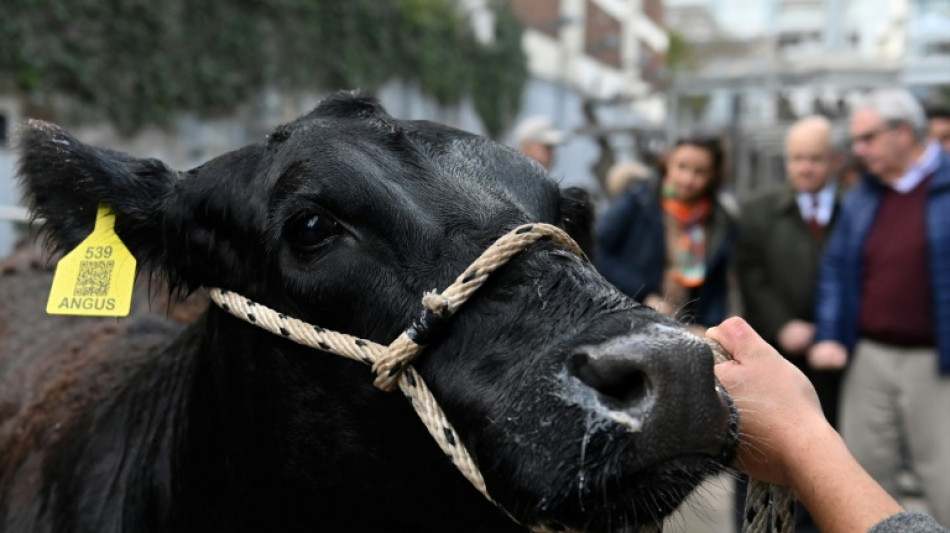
[784,438]
[778,407]
[796,336]
[827,355]
[658,303]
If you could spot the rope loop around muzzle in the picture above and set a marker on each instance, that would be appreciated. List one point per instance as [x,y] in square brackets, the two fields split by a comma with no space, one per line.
[391,364]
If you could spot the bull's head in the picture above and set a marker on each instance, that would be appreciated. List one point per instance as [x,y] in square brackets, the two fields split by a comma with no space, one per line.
[582,408]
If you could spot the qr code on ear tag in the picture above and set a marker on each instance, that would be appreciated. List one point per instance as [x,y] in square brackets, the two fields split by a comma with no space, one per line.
[94,278]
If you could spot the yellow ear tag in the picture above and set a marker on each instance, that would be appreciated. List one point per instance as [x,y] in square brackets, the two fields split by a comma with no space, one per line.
[96,278]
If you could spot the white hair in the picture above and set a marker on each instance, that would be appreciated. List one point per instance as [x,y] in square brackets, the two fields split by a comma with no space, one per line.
[898,106]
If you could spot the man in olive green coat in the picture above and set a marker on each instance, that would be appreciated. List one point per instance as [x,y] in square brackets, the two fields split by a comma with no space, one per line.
[783,232]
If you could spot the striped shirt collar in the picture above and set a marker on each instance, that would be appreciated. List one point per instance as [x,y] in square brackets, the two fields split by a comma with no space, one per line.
[826,203]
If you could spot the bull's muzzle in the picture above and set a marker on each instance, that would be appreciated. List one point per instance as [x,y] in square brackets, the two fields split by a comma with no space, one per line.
[660,383]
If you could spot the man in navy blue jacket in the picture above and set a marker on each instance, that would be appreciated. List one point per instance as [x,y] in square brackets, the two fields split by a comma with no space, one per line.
[883,303]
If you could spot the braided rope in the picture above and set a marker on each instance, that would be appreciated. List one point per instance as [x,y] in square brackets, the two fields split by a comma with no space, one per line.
[758,500]
[391,364]
[783,509]
[444,305]
[768,508]
[365,351]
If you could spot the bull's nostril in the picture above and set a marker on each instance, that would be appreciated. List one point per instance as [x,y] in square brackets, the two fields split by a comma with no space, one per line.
[621,385]
[627,389]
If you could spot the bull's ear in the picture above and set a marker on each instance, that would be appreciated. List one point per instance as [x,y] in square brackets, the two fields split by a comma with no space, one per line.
[65,180]
[575,215]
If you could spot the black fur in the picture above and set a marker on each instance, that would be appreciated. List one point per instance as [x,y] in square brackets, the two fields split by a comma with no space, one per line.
[345,218]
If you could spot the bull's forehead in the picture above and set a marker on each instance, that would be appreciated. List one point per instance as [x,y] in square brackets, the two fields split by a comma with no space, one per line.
[408,173]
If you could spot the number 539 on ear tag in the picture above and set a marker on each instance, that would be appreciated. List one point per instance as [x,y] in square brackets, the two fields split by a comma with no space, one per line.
[96,278]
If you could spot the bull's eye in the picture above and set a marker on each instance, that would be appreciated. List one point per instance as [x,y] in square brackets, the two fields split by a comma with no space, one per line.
[311,231]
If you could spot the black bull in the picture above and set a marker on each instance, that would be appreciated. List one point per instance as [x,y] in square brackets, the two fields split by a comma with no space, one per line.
[581,408]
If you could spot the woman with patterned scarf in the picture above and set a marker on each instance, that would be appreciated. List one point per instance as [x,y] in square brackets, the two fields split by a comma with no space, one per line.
[670,247]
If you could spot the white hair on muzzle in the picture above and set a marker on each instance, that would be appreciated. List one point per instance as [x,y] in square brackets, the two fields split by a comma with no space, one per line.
[898,106]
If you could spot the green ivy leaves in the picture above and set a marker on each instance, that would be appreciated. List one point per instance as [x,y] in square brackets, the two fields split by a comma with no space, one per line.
[138,62]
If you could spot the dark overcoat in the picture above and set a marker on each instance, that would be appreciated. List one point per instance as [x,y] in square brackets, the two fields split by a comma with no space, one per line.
[777,260]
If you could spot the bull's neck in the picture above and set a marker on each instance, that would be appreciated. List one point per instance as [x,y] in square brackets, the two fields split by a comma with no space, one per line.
[185,427]
[227,460]
[254,407]
[291,433]
[130,444]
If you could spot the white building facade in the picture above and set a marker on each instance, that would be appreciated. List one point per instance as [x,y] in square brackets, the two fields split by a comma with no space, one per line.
[609,52]
[927,64]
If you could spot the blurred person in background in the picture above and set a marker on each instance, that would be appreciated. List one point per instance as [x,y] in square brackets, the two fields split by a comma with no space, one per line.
[883,302]
[782,233]
[782,236]
[670,246]
[939,126]
[536,137]
[623,175]
[851,171]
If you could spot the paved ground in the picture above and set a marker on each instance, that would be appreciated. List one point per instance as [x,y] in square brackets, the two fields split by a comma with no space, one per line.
[708,510]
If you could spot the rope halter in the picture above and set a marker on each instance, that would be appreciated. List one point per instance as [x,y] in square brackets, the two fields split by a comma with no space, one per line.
[391,364]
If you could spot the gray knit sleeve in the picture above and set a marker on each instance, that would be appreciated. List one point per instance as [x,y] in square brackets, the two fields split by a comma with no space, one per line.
[908,523]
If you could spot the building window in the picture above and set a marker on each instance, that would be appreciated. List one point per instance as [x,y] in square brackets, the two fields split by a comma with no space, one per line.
[542,15]
[602,36]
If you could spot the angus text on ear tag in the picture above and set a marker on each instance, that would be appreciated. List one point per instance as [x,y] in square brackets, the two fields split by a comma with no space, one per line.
[96,278]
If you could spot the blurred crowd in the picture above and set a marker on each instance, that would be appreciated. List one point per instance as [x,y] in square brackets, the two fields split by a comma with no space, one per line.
[844,268]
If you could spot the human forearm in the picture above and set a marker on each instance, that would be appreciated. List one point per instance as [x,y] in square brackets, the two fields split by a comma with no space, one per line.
[786,440]
[839,494]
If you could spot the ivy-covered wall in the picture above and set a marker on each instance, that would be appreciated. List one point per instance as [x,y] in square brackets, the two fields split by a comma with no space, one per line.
[138,62]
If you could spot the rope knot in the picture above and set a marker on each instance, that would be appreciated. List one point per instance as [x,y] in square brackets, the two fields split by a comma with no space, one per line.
[437,303]
[390,365]
[427,327]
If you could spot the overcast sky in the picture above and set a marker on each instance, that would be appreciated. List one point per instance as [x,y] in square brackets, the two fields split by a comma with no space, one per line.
[746,18]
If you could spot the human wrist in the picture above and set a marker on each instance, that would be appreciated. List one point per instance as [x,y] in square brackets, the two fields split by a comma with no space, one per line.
[813,444]
[838,493]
